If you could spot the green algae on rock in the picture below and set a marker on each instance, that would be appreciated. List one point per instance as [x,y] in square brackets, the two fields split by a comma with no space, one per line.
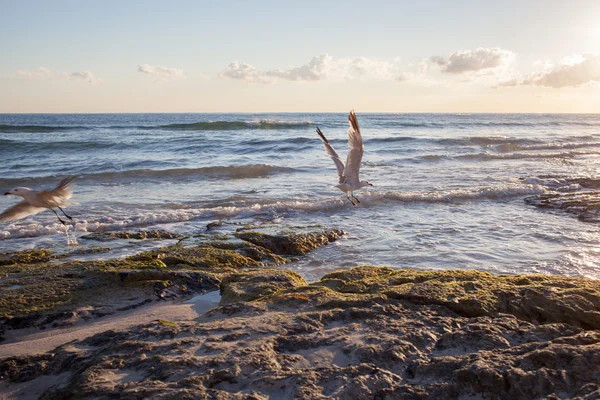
[534,298]
[26,257]
[357,333]
[291,243]
[35,292]
[256,284]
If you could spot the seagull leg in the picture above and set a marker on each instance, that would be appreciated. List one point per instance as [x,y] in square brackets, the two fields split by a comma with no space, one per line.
[63,211]
[356,198]
[351,201]
[57,216]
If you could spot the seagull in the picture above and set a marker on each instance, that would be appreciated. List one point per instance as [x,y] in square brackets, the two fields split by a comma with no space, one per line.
[37,201]
[348,174]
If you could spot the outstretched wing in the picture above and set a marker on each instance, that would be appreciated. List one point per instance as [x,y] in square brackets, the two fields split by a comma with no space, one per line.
[355,154]
[339,164]
[18,211]
[61,193]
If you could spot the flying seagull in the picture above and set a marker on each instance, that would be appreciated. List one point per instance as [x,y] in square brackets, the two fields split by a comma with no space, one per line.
[37,201]
[348,174]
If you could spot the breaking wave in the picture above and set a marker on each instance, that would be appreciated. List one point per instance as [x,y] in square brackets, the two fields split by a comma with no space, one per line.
[253,208]
[231,125]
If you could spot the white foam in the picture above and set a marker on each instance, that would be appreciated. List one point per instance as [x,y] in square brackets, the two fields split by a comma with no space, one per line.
[21,229]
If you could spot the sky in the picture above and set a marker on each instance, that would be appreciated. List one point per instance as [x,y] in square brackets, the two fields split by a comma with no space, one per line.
[306,56]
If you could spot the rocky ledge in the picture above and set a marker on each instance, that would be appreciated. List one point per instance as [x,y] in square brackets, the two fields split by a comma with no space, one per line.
[40,289]
[363,333]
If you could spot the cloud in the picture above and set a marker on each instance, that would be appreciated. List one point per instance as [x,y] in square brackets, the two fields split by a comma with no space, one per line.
[404,76]
[86,76]
[573,71]
[319,68]
[480,59]
[244,72]
[39,74]
[161,74]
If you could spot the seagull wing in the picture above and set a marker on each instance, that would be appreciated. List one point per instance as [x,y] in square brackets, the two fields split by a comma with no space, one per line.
[355,154]
[18,211]
[57,197]
[339,164]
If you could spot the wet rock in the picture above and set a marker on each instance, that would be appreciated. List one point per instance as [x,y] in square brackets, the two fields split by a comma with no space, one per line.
[88,250]
[156,234]
[292,243]
[583,205]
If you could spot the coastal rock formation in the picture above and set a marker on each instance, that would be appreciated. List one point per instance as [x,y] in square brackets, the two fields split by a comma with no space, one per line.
[366,332]
[41,289]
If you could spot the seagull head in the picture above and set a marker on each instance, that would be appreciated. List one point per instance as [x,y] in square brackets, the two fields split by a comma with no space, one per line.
[19,191]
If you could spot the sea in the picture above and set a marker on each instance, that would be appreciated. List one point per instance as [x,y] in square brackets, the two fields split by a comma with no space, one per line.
[450,190]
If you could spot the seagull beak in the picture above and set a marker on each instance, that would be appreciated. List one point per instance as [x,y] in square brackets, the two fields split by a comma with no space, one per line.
[6,194]
[370,184]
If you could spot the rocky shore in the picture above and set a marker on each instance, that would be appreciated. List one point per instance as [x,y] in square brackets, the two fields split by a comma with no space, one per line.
[360,333]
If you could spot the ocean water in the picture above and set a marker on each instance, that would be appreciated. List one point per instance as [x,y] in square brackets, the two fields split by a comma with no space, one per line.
[449,188]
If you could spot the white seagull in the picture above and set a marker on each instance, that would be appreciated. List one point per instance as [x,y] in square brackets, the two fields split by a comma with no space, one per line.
[37,201]
[348,174]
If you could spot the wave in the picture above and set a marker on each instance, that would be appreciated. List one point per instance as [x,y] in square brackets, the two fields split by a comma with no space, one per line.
[194,126]
[509,147]
[487,141]
[43,147]
[265,208]
[520,156]
[482,124]
[38,128]
[223,172]
[228,125]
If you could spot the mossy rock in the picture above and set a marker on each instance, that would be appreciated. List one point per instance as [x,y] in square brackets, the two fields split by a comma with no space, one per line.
[26,257]
[247,249]
[292,243]
[201,257]
[534,298]
[257,284]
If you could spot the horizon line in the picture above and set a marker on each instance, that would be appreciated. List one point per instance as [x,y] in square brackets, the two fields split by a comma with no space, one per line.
[305,112]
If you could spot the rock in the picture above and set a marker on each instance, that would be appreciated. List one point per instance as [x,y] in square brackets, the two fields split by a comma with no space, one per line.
[583,205]
[253,285]
[293,243]
[26,257]
[391,350]
[200,257]
[156,234]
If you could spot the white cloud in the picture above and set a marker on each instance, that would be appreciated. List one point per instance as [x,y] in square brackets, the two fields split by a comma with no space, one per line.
[161,74]
[39,74]
[244,72]
[571,72]
[86,76]
[319,68]
[480,59]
